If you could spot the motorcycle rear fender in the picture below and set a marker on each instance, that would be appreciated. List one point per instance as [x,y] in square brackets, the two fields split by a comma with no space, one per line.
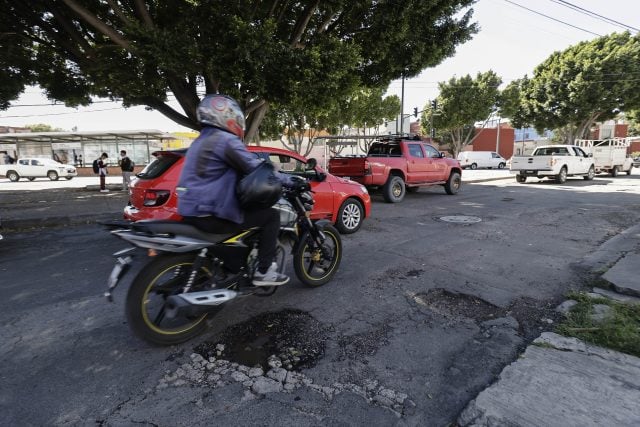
[164,243]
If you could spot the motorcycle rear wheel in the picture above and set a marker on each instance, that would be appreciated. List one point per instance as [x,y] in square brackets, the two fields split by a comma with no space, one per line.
[313,266]
[146,300]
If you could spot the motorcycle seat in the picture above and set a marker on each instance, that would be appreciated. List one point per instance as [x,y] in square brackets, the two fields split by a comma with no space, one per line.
[176,228]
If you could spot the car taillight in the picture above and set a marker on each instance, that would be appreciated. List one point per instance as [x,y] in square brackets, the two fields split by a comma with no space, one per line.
[367,168]
[156,197]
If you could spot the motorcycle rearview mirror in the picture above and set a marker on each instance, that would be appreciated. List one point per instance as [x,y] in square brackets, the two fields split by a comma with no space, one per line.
[311,164]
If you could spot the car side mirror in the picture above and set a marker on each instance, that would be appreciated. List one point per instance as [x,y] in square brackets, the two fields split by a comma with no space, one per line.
[443,154]
[321,176]
[590,155]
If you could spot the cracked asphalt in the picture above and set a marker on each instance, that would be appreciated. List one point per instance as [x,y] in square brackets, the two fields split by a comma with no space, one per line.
[420,308]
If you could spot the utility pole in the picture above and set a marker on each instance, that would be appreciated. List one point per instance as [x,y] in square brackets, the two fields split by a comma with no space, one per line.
[401,108]
[498,137]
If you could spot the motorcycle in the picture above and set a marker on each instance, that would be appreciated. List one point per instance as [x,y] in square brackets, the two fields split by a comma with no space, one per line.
[190,274]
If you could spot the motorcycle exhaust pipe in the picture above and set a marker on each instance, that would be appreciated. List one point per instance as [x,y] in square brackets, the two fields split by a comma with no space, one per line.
[196,303]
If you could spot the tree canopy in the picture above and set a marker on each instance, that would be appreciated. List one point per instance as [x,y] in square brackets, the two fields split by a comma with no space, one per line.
[591,81]
[150,52]
[462,102]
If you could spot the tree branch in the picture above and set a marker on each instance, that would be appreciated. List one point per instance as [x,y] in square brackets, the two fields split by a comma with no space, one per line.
[301,27]
[144,13]
[169,112]
[118,11]
[97,24]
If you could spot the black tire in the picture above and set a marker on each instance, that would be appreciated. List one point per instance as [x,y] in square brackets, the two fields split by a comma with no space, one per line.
[453,184]
[630,169]
[68,178]
[53,175]
[394,189]
[13,176]
[350,216]
[521,179]
[590,175]
[473,166]
[501,165]
[31,178]
[614,171]
[313,267]
[163,331]
[561,178]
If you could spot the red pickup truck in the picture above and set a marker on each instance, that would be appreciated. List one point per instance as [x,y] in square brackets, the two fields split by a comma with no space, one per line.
[399,165]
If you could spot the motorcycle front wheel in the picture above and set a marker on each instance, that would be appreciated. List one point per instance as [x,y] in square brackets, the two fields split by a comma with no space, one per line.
[146,304]
[316,265]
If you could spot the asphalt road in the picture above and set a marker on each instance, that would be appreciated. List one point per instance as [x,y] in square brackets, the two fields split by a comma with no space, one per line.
[425,307]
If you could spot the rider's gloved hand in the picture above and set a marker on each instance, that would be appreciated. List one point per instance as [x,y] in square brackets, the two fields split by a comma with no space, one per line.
[298,183]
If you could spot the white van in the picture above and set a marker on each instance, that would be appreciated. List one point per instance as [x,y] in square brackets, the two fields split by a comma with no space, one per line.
[481,159]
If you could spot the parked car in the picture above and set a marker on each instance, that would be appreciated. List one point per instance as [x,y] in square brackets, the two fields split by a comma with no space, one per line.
[344,202]
[554,162]
[32,168]
[398,165]
[481,159]
[636,162]
[609,155]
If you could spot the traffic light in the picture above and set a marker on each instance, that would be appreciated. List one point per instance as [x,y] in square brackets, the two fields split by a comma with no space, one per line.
[415,111]
[434,104]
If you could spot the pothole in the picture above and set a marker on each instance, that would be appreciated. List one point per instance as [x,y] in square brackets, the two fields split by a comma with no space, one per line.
[455,305]
[292,337]
[460,219]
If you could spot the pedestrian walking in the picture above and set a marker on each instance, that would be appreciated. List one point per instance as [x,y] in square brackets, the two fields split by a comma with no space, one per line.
[102,172]
[126,165]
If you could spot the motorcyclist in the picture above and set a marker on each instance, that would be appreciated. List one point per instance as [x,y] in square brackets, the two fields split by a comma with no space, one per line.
[206,189]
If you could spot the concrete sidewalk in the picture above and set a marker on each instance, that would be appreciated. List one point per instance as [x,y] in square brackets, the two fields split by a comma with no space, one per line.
[561,381]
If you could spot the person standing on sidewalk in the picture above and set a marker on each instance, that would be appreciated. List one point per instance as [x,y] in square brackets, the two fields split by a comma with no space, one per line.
[102,172]
[126,165]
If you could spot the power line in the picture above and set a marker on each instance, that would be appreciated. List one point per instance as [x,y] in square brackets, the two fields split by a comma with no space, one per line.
[594,15]
[552,18]
[60,114]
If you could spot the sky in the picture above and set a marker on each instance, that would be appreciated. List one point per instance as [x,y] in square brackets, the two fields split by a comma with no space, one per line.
[512,41]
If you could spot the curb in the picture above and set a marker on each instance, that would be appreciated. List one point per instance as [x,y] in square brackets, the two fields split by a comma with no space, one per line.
[472,181]
[610,252]
[17,225]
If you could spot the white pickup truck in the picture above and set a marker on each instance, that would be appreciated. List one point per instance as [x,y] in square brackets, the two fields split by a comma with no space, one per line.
[32,168]
[554,161]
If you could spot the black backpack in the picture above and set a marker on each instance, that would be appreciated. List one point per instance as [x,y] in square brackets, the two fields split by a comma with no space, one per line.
[96,168]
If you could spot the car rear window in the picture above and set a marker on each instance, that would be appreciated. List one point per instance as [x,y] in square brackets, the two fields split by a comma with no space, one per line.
[157,167]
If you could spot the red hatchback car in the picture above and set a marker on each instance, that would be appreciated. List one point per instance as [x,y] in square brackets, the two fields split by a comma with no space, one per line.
[342,201]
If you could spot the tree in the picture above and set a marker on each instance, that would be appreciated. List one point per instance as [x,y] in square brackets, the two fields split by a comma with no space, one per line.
[147,52]
[460,105]
[588,82]
[364,108]
[42,127]
[633,119]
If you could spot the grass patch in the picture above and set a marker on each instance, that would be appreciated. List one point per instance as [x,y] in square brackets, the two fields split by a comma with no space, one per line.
[620,332]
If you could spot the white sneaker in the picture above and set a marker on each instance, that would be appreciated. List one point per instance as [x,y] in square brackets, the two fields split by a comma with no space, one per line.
[104,191]
[270,278]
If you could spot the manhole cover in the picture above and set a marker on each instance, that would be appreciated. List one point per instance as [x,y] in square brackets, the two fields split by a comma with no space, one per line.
[460,219]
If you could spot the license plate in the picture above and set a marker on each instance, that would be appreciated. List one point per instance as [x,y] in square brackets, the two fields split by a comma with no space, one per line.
[529,171]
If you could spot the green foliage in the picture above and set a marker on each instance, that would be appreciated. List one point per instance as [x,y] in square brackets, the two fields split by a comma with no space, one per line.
[42,127]
[586,83]
[147,52]
[633,119]
[619,332]
[462,102]
[363,108]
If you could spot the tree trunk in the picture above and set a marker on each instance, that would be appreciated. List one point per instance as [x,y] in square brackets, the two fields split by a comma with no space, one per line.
[254,120]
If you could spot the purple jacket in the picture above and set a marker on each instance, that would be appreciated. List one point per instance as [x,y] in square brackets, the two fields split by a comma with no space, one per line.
[207,184]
